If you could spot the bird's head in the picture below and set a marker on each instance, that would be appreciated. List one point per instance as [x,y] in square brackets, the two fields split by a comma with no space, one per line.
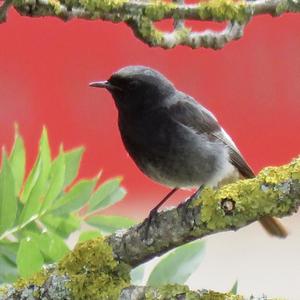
[137,87]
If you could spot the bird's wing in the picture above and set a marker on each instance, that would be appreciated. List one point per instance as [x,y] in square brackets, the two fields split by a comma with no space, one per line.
[235,156]
[191,114]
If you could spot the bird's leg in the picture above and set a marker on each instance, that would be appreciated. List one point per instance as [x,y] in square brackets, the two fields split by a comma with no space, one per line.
[196,195]
[154,211]
[187,203]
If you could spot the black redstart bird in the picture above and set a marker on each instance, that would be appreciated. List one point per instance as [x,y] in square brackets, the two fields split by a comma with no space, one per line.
[172,138]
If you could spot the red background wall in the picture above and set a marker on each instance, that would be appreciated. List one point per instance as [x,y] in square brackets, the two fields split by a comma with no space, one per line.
[253,87]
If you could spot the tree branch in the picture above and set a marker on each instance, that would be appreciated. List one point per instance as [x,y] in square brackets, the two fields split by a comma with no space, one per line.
[274,192]
[174,291]
[141,15]
[3,10]
[101,266]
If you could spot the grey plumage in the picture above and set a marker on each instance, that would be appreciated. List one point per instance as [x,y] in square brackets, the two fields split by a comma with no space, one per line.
[172,138]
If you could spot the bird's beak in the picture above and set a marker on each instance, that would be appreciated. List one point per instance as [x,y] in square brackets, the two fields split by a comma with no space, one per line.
[104,84]
[100,84]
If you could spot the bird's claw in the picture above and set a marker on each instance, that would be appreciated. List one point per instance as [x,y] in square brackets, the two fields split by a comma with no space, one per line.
[188,202]
[147,223]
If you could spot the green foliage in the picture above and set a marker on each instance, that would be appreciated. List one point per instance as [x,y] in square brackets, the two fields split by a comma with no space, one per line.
[37,215]
[88,235]
[137,275]
[8,200]
[72,163]
[234,288]
[178,265]
[109,224]
[107,194]
[29,257]
[17,161]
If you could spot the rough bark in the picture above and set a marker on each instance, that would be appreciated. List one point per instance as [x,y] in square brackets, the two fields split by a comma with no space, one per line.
[274,192]
[175,292]
[4,8]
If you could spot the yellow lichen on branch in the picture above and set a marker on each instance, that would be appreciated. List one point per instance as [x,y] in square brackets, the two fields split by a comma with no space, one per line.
[88,272]
[91,265]
[266,194]
[176,291]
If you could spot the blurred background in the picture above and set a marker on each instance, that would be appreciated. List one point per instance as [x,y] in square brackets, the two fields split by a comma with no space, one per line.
[252,86]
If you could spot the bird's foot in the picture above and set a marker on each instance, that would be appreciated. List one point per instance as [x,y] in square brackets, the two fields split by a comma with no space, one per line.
[188,202]
[153,214]
[148,222]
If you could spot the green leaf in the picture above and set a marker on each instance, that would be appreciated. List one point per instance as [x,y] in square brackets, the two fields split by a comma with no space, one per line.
[8,200]
[45,151]
[8,271]
[30,227]
[29,257]
[234,288]
[9,250]
[41,167]
[61,225]
[31,179]
[88,235]
[137,275]
[35,187]
[57,248]
[72,160]
[17,160]
[51,245]
[56,179]
[34,201]
[177,266]
[109,224]
[75,198]
[107,194]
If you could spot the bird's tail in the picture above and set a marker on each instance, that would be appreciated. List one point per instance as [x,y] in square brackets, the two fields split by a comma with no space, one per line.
[273,227]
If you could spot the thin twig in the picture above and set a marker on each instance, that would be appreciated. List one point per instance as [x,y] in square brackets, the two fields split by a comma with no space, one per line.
[141,15]
[3,10]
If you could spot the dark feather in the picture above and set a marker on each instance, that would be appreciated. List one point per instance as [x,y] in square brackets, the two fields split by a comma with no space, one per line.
[238,161]
[193,115]
[236,157]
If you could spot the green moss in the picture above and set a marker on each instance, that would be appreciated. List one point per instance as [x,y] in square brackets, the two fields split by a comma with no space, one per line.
[91,265]
[265,194]
[3,290]
[157,9]
[288,5]
[38,279]
[211,295]
[88,272]
[183,33]
[98,8]
[56,6]
[223,10]
[29,287]
[147,31]
[173,291]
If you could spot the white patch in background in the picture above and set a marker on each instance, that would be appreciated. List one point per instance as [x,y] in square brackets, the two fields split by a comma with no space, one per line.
[262,265]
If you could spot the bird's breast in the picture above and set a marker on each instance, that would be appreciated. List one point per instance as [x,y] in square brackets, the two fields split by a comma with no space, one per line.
[172,154]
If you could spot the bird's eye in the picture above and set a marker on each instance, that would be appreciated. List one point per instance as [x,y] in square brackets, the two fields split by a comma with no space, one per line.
[132,85]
